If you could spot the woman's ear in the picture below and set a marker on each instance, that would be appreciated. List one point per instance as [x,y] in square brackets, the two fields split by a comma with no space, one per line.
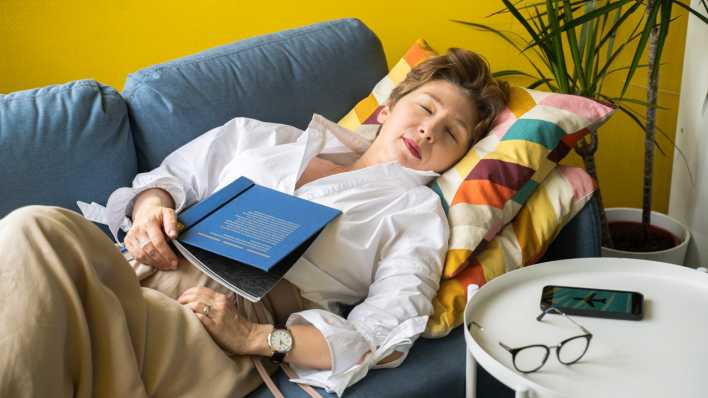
[383,114]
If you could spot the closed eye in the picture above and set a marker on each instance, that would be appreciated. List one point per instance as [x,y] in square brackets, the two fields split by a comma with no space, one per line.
[426,108]
[449,131]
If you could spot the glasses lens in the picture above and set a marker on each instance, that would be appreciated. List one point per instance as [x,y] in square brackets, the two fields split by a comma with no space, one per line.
[530,358]
[572,350]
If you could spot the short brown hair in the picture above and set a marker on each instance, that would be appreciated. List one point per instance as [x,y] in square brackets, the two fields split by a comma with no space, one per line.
[467,70]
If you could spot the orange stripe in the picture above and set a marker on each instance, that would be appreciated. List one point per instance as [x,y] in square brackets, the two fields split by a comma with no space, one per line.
[483,192]
[472,274]
[419,52]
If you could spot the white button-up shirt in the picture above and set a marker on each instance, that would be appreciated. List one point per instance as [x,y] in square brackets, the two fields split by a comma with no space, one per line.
[383,252]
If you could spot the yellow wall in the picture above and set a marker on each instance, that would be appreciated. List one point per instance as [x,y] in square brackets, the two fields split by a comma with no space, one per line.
[46,42]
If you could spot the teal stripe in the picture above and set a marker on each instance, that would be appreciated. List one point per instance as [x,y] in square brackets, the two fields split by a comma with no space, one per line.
[539,131]
[523,195]
[436,188]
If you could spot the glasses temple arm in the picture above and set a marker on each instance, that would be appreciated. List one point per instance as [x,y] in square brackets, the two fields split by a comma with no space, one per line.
[559,312]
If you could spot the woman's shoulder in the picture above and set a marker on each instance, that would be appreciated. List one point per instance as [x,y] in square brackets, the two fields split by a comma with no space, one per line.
[258,131]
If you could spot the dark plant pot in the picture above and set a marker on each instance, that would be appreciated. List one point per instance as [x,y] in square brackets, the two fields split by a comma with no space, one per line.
[674,255]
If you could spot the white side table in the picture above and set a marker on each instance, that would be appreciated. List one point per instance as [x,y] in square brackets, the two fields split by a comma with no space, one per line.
[663,355]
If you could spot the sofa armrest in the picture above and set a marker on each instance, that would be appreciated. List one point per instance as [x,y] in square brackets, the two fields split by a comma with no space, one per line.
[63,143]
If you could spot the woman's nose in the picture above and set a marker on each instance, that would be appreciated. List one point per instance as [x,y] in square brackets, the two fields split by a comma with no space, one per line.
[428,130]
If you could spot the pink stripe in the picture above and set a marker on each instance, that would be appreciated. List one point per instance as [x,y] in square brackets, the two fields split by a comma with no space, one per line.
[584,107]
[493,230]
[579,180]
[501,129]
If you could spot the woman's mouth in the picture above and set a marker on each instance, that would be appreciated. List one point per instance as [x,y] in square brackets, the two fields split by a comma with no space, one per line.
[413,148]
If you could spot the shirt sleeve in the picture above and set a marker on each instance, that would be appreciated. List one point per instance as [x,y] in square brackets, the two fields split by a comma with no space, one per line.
[413,242]
[192,172]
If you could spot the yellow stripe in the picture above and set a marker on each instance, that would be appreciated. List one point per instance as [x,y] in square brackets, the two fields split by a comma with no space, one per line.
[448,308]
[520,101]
[526,153]
[399,72]
[365,108]
[492,260]
[466,164]
[350,121]
[535,225]
[454,261]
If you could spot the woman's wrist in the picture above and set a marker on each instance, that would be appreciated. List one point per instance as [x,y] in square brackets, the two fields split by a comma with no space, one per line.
[258,340]
[151,198]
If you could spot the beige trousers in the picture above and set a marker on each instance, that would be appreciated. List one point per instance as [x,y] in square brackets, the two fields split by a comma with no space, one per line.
[75,321]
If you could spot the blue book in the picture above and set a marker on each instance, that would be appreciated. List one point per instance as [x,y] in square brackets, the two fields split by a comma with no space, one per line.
[246,236]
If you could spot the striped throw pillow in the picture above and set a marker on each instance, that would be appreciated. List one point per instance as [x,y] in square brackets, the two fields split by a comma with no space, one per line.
[522,242]
[487,188]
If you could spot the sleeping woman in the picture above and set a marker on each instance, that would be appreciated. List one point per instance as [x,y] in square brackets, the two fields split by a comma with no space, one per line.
[78,319]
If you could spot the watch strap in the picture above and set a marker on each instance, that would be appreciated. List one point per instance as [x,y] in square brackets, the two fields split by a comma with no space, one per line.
[277,357]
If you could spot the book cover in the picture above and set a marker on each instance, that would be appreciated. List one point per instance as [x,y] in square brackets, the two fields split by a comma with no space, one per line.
[246,236]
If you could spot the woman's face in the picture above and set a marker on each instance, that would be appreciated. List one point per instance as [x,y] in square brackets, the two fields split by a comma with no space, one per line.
[430,128]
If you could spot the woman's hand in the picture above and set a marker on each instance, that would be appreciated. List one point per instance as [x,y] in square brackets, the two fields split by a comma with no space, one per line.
[218,314]
[146,239]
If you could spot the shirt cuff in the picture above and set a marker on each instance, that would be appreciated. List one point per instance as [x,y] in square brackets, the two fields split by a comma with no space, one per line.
[352,352]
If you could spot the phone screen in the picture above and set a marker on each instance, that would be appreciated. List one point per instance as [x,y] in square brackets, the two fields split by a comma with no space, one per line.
[593,302]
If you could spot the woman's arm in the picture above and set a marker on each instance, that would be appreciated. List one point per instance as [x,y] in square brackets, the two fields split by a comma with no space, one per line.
[240,336]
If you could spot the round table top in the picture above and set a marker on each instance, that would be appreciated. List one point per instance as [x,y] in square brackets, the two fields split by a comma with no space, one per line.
[665,354]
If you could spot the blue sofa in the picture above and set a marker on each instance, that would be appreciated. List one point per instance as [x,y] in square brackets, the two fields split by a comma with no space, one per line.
[81,140]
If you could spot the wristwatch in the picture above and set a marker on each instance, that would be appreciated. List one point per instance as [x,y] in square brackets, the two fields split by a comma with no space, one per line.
[280,342]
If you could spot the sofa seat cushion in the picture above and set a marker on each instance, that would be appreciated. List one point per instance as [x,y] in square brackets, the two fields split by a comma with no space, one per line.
[64,143]
[283,77]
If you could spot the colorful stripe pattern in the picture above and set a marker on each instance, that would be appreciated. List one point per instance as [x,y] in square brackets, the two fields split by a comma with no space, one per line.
[486,189]
[524,241]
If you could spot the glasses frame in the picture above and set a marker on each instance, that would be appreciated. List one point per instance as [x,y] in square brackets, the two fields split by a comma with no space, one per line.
[515,351]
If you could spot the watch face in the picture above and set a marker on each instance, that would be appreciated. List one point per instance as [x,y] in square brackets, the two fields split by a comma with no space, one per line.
[281,340]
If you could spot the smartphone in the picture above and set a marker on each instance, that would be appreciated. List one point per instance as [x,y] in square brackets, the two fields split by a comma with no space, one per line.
[600,303]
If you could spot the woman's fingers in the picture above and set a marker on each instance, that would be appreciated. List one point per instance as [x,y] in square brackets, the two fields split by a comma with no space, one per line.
[206,321]
[148,239]
[169,220]
[161,251]
[194,294]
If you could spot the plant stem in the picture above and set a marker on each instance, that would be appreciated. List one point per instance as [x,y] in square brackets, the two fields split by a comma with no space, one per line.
[650,133]
[587,152]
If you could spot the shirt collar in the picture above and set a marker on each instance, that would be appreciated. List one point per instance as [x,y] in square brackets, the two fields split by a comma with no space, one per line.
[337,142]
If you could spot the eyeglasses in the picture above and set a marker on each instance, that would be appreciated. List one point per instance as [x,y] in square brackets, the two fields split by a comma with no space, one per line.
[530,358]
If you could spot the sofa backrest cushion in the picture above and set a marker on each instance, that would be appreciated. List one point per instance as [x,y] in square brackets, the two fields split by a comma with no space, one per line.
[63,143]
[283,77]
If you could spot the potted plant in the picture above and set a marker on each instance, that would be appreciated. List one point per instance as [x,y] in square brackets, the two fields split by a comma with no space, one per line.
[575,42]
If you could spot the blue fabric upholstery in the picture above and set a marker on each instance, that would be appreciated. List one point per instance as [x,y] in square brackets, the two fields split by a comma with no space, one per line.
[436,367]
[63,143]
[581,237]
[283,78]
